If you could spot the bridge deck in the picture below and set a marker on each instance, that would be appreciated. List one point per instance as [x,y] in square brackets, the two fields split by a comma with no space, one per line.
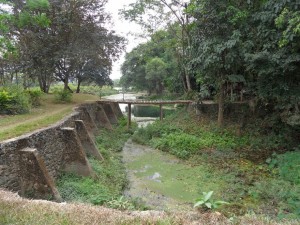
[147,102]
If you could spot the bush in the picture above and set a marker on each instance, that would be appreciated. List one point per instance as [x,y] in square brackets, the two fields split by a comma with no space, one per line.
[279,193]
[184,143]
[83,189]
[13,100]
[180,144]
[64,96]
[35,97]
[287,165]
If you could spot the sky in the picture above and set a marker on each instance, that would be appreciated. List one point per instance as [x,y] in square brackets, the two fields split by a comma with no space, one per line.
[122,27]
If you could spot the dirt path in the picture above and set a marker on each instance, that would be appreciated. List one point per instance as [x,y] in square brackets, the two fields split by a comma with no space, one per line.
[155,178]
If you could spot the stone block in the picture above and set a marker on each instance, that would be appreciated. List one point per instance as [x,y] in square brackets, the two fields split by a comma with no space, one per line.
[86,141]
[102,118]
[35,181]
[110,113]
[74,159]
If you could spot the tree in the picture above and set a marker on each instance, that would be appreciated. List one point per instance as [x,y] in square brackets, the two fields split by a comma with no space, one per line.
[65,40]
[217,37]
[153,66]
[163,14]
[155,72]
[275,60]
[15,17]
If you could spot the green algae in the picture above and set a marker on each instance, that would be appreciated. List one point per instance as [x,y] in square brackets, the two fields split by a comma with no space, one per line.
[162,173]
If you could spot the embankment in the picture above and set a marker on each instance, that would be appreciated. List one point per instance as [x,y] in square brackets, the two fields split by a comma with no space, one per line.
[30,164]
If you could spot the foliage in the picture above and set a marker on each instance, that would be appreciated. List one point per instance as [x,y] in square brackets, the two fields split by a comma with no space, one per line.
[289,19]
[35,97]
[287,166]
[283,195]
[74,188]
[207,203]
[175,140]
[56,40]
[64,96]
[120,203]
[152,66]
[13,100]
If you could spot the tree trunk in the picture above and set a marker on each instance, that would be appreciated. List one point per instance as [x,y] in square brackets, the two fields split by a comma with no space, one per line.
[66,85]
[221,106]
[188,81]
[78,86]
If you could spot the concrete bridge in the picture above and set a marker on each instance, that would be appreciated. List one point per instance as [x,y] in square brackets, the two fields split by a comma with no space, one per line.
[146,102]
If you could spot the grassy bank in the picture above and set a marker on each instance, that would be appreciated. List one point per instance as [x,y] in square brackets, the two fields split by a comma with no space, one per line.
[239,169]
[106,187]
[49,112]
[18,211]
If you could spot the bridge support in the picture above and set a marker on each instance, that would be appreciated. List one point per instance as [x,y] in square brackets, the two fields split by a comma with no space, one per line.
[129,116]
[161,112]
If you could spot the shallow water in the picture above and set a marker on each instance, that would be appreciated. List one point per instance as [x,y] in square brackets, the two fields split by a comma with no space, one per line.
[160,180]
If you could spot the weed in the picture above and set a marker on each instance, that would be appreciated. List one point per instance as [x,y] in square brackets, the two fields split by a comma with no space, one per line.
[287,165]
[206,202]
[120,203]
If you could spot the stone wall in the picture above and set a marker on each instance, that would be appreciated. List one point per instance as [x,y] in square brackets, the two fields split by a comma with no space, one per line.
[32,162]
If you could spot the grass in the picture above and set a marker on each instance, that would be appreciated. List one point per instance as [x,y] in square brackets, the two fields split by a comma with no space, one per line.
[18,211]
[231,165]
[106,187]
[46,114]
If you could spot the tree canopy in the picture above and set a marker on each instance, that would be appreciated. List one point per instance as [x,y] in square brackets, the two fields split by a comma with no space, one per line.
[58,40]
[240,49]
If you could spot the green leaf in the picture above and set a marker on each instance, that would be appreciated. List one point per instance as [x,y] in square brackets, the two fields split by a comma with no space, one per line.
[207,195]
[197,204]
[208,205]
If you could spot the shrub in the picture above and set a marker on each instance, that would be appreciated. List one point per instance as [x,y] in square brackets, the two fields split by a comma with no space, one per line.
[282,194]
[35,97]
[180,144]
[287,165]
[13,100]
[64,96]
[84,189]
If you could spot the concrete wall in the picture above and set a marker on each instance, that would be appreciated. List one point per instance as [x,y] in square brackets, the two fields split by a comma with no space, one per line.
[32,162]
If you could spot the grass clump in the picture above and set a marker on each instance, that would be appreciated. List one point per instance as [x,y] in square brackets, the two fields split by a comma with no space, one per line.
[109,181]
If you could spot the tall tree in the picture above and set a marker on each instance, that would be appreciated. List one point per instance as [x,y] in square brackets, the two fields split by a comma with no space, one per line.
[157,14]
[275,60]
[217,38]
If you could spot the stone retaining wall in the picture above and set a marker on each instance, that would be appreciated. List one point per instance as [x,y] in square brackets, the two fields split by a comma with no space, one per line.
[31,163]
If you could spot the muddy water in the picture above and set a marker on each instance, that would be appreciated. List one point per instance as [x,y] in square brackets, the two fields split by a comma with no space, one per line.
[157,178]
[162,181]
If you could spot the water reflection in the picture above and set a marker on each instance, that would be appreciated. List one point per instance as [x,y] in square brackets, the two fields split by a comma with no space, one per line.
[142,114]
[121,97]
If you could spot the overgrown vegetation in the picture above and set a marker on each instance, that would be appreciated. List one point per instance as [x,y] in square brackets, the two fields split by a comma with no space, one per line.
[106,187]
[259,181]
